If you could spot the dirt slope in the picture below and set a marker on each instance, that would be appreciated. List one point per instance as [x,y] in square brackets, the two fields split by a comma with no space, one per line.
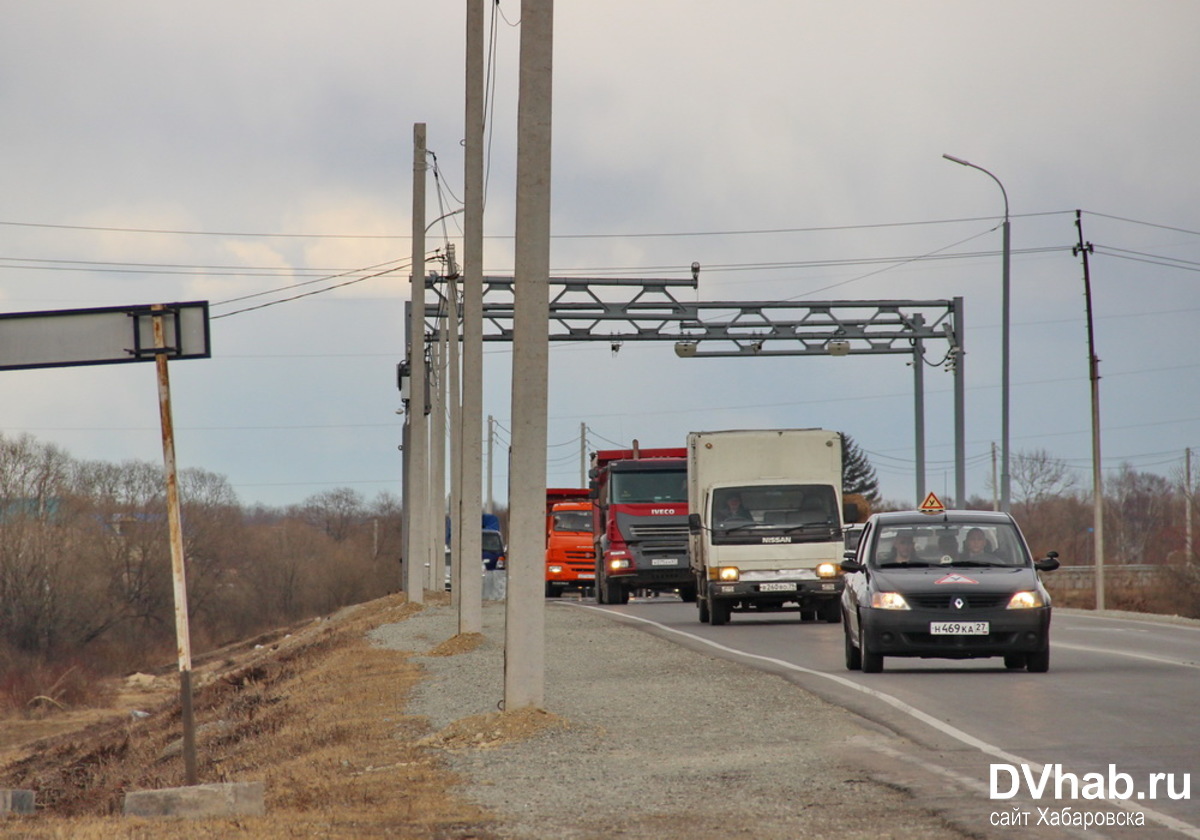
[317,714]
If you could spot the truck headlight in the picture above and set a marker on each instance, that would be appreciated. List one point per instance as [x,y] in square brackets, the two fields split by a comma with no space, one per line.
[827,570]
[728,574]
[615,563]
[888,601]
[555,569]
[1025,601]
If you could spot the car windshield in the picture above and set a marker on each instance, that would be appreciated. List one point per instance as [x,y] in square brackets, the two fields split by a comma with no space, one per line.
[950,544]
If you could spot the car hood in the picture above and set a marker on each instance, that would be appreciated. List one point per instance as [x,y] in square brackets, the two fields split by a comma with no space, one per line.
[941,579]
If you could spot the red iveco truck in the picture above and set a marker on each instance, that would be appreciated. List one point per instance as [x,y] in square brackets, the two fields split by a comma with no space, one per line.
[641,522]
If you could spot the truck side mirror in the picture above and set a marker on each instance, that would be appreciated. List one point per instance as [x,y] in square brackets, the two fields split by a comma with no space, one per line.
[850,513]
[695,526]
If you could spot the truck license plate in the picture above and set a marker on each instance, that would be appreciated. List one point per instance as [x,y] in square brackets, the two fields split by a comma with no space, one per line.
[587,575]
[663,561]
[958,628]
[777,587]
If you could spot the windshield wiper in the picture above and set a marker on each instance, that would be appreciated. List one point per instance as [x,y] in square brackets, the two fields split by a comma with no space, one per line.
[730,528]
[827,525]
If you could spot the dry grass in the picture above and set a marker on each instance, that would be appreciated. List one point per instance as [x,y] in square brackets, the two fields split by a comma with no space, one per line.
[318,715]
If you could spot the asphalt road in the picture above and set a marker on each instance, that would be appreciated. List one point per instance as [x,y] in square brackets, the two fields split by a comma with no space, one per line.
[1120,701]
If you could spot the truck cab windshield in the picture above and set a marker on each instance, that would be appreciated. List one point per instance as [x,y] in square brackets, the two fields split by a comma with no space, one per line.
[573,521]
[649,486]
[787,508]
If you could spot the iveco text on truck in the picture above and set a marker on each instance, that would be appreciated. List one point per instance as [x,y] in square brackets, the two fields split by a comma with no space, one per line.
[641,530]
[766,525]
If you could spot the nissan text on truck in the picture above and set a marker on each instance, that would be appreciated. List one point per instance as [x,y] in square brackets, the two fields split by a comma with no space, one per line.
[765,530]
[641,531]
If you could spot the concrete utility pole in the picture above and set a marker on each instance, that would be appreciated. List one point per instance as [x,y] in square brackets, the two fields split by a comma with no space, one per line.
[437,461]
[583,455]
[460,524]
[524,630]
[470,616]
[416,540]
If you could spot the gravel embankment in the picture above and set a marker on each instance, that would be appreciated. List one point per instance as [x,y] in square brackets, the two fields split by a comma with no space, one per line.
[661,742]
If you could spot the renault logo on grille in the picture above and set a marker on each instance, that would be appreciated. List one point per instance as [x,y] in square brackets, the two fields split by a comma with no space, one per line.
[959,603]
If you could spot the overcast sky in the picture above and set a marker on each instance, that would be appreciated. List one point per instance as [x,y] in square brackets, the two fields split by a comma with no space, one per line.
[158,152]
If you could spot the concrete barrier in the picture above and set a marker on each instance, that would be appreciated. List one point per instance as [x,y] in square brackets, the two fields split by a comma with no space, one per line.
[198,801]
[16,802]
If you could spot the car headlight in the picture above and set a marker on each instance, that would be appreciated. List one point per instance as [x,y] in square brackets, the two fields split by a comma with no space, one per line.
[827,570]
[729,574]
[888,601]
[1025,601]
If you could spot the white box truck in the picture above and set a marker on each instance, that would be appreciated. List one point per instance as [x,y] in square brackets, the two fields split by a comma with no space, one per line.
[765,523]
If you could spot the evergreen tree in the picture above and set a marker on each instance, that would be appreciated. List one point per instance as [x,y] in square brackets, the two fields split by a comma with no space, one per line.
[858,476]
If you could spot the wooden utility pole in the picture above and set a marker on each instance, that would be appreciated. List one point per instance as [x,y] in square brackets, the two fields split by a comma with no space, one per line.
[1083,250]
[178,567]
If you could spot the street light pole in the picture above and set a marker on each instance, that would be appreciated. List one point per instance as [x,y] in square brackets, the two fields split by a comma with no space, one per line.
[1005,310]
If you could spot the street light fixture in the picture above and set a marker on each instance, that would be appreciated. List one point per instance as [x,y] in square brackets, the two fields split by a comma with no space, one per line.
[1005,485]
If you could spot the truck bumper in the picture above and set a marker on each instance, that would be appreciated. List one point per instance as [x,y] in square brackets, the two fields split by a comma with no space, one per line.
[763,593]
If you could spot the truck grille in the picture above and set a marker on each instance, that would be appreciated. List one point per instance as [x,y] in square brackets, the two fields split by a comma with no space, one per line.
[660,532]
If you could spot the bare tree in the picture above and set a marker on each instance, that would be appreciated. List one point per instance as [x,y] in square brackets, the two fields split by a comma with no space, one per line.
[1137,511]
[1037,476]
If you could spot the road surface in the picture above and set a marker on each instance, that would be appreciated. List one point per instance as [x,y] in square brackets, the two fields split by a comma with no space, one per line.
[1119,702]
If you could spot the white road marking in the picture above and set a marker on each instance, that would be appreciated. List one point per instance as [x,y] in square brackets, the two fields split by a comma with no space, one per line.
[1186,829]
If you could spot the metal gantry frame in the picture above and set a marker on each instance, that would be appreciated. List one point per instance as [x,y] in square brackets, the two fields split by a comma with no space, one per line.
[651,311]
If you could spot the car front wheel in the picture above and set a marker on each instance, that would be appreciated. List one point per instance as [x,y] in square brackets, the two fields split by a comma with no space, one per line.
[1038,663]
[853,659]
[872,662]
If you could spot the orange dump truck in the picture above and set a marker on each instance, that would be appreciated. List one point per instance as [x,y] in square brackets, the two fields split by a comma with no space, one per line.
[570,553]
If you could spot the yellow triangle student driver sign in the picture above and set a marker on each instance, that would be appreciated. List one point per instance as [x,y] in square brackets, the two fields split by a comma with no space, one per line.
[932,504]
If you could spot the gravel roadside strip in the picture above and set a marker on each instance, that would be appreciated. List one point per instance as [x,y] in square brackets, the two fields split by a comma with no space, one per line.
[660,741]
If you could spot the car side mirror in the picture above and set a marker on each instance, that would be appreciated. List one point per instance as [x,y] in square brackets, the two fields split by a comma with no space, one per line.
[695,526]
[851,565]
[1048,563]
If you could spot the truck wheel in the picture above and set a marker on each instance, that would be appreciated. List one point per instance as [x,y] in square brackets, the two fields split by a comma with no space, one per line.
[721,611]
[687,593]
[614,593]
[872,662]
[702,603]
[831,611]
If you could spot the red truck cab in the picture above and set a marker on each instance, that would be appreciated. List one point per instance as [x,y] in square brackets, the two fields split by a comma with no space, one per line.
[641,516]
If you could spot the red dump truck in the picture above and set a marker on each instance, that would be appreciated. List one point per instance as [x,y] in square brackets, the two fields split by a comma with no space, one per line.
[641,522]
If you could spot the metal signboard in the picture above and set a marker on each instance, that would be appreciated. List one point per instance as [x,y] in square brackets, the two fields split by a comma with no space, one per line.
[106,336]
